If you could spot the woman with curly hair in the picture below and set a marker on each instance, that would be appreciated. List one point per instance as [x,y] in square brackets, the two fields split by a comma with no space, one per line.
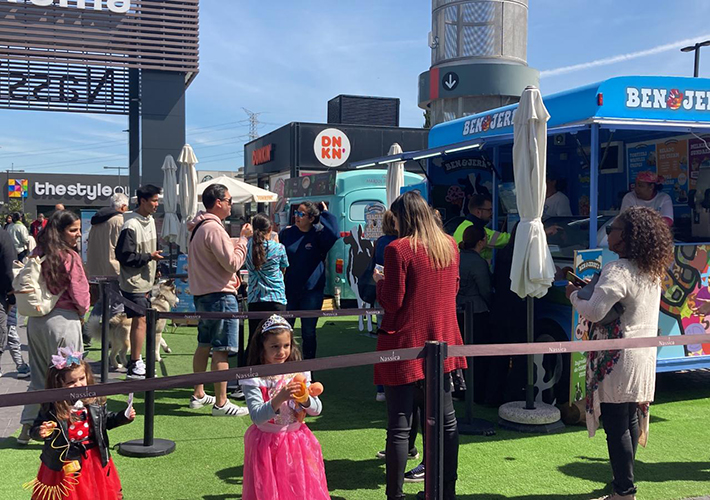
[64,274]
[624,303]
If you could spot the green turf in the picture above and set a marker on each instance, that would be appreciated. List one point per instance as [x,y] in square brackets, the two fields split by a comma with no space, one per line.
[207,463]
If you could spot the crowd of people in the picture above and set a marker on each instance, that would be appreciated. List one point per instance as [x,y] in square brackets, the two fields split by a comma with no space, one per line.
[423,279]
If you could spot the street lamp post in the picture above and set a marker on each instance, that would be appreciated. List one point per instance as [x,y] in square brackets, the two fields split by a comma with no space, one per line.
[119,172]
[696,49]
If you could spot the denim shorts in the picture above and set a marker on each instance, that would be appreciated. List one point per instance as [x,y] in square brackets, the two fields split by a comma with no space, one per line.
[219,334]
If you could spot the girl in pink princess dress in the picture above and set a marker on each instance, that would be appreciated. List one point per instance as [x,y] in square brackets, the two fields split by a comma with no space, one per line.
[282,457]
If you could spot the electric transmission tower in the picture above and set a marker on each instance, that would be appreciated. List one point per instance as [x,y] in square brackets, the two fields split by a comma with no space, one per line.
[253,124]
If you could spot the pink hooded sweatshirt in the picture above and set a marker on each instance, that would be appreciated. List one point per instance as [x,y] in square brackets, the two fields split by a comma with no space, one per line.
[213,257]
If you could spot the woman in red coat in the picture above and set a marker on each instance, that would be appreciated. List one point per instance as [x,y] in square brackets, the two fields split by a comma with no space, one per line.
[417,290]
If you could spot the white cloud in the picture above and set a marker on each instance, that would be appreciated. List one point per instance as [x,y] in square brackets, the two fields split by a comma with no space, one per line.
[622,57]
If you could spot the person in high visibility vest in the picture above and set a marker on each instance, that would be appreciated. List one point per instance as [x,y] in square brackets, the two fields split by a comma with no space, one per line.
[480,209]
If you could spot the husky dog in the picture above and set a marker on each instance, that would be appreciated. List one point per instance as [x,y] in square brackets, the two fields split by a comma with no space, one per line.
[164,298]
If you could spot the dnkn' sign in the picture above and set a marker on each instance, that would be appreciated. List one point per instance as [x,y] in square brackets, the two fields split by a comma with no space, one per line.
[116,6]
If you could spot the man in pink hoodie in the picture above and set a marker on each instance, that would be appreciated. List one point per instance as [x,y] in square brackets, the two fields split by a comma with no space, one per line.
[213,261]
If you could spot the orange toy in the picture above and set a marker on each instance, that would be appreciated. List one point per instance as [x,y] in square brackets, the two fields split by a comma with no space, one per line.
[315,389]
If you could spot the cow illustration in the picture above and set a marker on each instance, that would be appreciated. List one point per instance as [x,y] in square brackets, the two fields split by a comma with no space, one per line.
[360,254]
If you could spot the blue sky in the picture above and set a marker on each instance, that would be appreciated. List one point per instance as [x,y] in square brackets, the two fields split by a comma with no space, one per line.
[286,59]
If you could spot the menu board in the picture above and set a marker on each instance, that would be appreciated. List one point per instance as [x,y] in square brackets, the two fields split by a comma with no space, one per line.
[311,185]
[673,166]
[699,149]
[642,157]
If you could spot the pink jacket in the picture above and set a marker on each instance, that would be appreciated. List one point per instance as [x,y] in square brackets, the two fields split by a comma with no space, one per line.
[76,297]
[213,257]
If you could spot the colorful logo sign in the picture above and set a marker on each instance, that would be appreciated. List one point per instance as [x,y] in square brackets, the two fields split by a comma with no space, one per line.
[673,99]
[332,147]
[17,188]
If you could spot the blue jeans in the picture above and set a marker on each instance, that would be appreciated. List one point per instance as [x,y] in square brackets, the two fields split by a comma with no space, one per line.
[220,334]
[310,300]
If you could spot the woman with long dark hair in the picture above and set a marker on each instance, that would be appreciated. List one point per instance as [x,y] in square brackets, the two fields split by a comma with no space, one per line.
[624,303]
[266,261]
[417,290]
[64,275]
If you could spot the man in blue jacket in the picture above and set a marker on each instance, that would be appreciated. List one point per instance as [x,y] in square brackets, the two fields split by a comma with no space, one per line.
[307,247]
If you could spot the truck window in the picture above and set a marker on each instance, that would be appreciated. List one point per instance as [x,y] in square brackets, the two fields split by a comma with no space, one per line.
[357,210]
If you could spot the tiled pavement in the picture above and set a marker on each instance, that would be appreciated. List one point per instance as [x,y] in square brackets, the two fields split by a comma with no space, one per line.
[10,416]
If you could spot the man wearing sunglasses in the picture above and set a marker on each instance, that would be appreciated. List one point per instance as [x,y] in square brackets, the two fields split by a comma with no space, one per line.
[480,209]
[212,269]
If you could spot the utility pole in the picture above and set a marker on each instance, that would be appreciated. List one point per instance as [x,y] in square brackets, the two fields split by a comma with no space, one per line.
[253,124]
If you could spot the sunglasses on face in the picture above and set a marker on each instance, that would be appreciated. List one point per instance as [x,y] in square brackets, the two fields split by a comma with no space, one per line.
[610,229]
[298,213]
[228,201]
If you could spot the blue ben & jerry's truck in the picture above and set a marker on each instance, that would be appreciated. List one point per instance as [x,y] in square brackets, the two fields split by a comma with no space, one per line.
[358,200]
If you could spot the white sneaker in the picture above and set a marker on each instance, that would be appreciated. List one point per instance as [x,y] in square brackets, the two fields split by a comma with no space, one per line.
[380,397]
[203,401]
[229,410]
[136,370]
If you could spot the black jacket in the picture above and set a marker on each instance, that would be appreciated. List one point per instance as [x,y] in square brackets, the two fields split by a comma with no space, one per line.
[8,254]
[103,215]
[101,419]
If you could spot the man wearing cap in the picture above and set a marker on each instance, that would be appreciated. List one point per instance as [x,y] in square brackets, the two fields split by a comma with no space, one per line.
[647,193]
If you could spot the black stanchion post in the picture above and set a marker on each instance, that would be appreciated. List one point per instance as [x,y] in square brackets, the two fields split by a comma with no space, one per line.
[434,449]
[530,387]
[148,446]
[105,318]
[470,425]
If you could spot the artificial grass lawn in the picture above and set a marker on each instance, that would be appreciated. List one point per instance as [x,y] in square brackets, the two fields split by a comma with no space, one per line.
[207,463]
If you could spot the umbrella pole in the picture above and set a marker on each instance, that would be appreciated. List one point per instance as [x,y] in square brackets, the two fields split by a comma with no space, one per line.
[530,388]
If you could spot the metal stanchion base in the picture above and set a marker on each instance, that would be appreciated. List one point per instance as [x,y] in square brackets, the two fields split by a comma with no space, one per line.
[544,418]
[136,449]
[476,427]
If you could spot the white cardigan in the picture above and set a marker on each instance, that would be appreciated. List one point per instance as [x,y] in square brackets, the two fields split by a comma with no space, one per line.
[633,378]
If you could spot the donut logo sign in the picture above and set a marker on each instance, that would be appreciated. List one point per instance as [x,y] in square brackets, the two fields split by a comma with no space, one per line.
[332,147]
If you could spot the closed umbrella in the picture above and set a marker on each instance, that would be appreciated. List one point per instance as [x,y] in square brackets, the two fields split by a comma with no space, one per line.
[188,193]
[171,223]
[395,175]
[533,270]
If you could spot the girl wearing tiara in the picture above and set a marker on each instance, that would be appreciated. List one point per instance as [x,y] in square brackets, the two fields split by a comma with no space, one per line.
[282,457]
[76,463]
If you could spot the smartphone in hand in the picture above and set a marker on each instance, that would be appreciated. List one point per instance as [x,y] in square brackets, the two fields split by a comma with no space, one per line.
[575,280]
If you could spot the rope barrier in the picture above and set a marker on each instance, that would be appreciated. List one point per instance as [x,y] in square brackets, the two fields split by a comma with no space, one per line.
[345,361]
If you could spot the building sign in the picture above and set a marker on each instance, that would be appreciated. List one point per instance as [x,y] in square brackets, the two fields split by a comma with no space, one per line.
[115,6]
[63,87]
[74,55]
[658,98]
[489,122]
[374,214]
[466,163]
[311,185]
[332,147]
[17,188]
[262,155]
[89,192]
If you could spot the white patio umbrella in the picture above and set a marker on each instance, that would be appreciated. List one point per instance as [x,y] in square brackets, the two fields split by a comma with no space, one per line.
[171,223]
[533,270]
[240,191]
[188,193]
[395,175]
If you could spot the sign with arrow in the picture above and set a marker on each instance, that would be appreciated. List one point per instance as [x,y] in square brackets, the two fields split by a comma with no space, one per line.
[450,81]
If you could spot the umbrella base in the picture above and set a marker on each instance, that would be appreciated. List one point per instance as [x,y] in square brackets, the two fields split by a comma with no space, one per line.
[136,448]
[543,418]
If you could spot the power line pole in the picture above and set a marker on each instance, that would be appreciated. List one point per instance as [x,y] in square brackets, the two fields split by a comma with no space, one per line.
[253,124]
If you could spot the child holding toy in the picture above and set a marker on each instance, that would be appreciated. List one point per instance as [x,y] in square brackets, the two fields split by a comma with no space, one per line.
[282,457]
[76,463]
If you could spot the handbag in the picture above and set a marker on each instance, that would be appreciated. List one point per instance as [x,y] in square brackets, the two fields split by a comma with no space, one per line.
[586,293]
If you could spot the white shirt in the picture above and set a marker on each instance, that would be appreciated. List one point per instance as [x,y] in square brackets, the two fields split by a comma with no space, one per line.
[557,205]
[661,203]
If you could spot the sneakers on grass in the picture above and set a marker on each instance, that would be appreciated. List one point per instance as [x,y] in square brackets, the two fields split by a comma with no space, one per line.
[135,370]
[237,394]
[380,397]
[412,455]
[229,410]
[24,437]
[416,475]
[203,401]
[23,371]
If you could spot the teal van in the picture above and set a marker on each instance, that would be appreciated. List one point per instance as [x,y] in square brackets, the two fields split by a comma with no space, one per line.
[349,196]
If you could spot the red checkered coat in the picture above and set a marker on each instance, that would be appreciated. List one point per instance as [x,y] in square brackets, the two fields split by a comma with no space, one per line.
[420,305]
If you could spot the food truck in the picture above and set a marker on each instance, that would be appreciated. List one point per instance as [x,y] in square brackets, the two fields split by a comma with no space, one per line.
[600,137]
[357,198]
